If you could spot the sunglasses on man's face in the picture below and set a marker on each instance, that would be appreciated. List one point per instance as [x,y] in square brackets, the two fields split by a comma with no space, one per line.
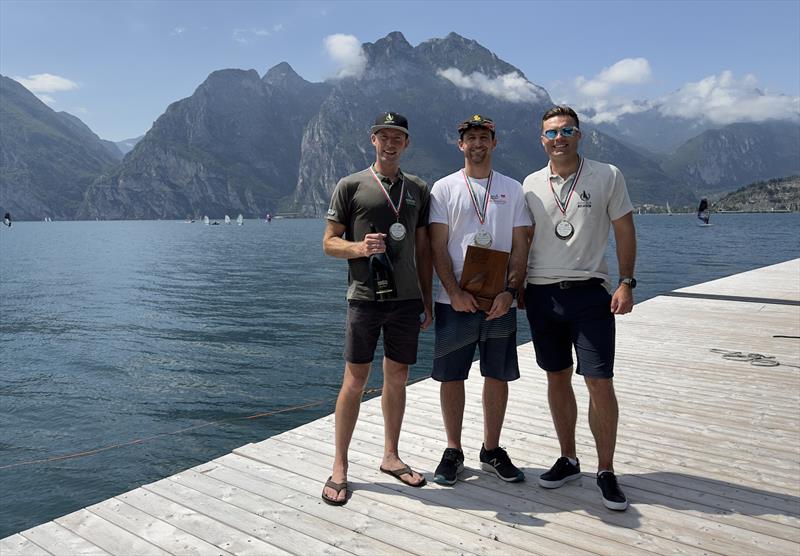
[564,131]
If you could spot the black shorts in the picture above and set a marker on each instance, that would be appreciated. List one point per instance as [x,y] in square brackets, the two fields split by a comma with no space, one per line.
[459,333]
[577,316]
[399,321]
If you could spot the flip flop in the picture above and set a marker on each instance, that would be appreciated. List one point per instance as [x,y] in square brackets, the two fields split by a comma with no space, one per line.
[338,487]
[405,470]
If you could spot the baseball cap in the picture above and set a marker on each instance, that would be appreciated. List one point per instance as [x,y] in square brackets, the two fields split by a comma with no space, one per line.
[476,120]
[390,120]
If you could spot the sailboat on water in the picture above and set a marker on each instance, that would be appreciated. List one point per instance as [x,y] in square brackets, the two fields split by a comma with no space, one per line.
[240,220]
[669,210]
[206,221]
[703,213]
[227,219]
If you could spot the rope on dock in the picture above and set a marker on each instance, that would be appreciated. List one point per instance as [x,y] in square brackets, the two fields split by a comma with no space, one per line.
[137,441]
[755,359]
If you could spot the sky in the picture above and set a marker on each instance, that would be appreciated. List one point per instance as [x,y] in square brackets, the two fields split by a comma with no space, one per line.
[117,65]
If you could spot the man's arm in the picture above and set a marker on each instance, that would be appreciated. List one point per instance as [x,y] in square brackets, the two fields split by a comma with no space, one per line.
[517,265]
[460,300]
[334,245]
[625,236]
[425,273]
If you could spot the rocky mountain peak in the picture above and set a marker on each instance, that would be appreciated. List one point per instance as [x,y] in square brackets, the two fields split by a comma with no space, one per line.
[466,55]
[283,75]
[393,49]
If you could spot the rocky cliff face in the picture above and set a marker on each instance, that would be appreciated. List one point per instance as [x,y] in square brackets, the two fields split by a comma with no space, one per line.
[737,154]
[47,158]
[232,147]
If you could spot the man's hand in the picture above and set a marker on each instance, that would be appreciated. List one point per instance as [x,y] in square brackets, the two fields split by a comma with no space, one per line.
[373,243]
[463,302]
[500,306]
[428,318]
[622,300]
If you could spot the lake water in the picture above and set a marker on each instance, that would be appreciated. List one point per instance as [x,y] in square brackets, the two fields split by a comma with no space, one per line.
[116,331]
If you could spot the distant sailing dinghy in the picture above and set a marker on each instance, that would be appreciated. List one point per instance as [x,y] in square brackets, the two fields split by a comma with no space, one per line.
[703,213]
[227,219]
[7,219]
[206,221]
[240,220]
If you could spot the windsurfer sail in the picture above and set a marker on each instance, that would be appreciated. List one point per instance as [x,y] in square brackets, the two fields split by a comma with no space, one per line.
[702,211]
[7,219]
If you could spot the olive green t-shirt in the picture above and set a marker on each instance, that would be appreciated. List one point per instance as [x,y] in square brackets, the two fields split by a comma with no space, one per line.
[357,202]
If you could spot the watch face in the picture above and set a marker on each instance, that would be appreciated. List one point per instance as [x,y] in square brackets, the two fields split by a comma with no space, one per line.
[629,281]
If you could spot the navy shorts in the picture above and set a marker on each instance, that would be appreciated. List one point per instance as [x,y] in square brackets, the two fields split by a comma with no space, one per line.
[399,321]
[459,333]
[577,316]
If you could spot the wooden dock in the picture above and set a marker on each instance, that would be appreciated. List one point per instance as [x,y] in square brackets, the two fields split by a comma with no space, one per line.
[708,454]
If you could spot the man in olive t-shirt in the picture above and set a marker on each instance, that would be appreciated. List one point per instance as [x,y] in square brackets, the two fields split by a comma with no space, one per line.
[397,205]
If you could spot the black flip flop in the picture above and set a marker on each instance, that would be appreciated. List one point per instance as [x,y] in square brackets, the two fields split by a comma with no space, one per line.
[338,487]
[406,470]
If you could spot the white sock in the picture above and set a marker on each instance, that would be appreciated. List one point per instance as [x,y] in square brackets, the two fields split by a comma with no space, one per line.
[604,471]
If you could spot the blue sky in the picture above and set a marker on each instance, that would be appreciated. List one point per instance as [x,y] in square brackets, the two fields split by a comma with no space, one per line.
[118,65]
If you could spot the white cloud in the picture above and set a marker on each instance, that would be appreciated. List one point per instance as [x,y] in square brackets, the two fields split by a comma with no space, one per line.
[46,83]
[510,86]
[723,99]
[346,52]
[178,31]
[47,99]
[629,71]
[278,27]
[609,111]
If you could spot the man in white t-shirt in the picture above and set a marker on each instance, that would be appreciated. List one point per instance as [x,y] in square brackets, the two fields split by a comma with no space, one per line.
[476,206]
[574,203]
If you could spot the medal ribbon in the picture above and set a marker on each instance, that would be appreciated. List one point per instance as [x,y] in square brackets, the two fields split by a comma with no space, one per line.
[395,208]
[562,205]
[481,213]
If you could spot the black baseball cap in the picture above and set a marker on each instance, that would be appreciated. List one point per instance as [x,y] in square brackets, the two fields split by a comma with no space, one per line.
[476,120]
[390,120]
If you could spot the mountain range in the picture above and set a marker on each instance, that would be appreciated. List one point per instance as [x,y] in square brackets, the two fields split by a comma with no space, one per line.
[242,143]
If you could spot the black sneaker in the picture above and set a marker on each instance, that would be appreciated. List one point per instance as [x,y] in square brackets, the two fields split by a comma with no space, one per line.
[561,472]
[613,497]
[497,461]
[451,465]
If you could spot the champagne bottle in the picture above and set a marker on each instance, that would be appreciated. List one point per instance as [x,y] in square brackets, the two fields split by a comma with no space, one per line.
[382,273]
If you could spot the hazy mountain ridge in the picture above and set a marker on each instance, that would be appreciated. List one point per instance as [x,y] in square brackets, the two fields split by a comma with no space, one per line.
[47,158]
[250,144]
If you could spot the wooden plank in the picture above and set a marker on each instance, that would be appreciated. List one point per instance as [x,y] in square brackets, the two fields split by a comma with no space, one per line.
[17,545]
[57,540]
[230,539]
[154,530]
[106,535]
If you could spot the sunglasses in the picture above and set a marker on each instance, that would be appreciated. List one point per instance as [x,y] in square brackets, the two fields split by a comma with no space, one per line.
[564,131]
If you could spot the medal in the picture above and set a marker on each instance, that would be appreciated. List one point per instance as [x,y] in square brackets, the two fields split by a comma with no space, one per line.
[482,238]
[564,230]
[397,231]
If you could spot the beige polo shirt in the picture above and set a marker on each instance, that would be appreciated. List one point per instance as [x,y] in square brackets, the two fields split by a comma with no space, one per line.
[600,197]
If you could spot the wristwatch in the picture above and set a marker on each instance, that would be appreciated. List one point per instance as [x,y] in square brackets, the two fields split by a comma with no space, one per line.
[512,291]
[631,282]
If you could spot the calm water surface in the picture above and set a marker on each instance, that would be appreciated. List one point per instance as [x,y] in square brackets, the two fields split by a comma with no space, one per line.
[116,331]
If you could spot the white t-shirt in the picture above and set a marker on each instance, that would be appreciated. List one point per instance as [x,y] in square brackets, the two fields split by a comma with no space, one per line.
[452,204]
[600,196]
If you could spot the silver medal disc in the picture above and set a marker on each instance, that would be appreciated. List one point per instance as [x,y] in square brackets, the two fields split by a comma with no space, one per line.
[397,231]
[564,230]
[483,238]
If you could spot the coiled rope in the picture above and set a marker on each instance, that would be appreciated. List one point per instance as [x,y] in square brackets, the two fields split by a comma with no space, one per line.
[755,359]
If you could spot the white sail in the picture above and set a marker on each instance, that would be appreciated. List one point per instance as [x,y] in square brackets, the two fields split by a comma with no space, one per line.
[669,210]
[206,220]
[227,219]
[240,220]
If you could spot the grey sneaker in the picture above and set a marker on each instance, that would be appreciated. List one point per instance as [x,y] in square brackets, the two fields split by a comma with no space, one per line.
[451,465]
[613,497]
[561,472]
[498,462]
